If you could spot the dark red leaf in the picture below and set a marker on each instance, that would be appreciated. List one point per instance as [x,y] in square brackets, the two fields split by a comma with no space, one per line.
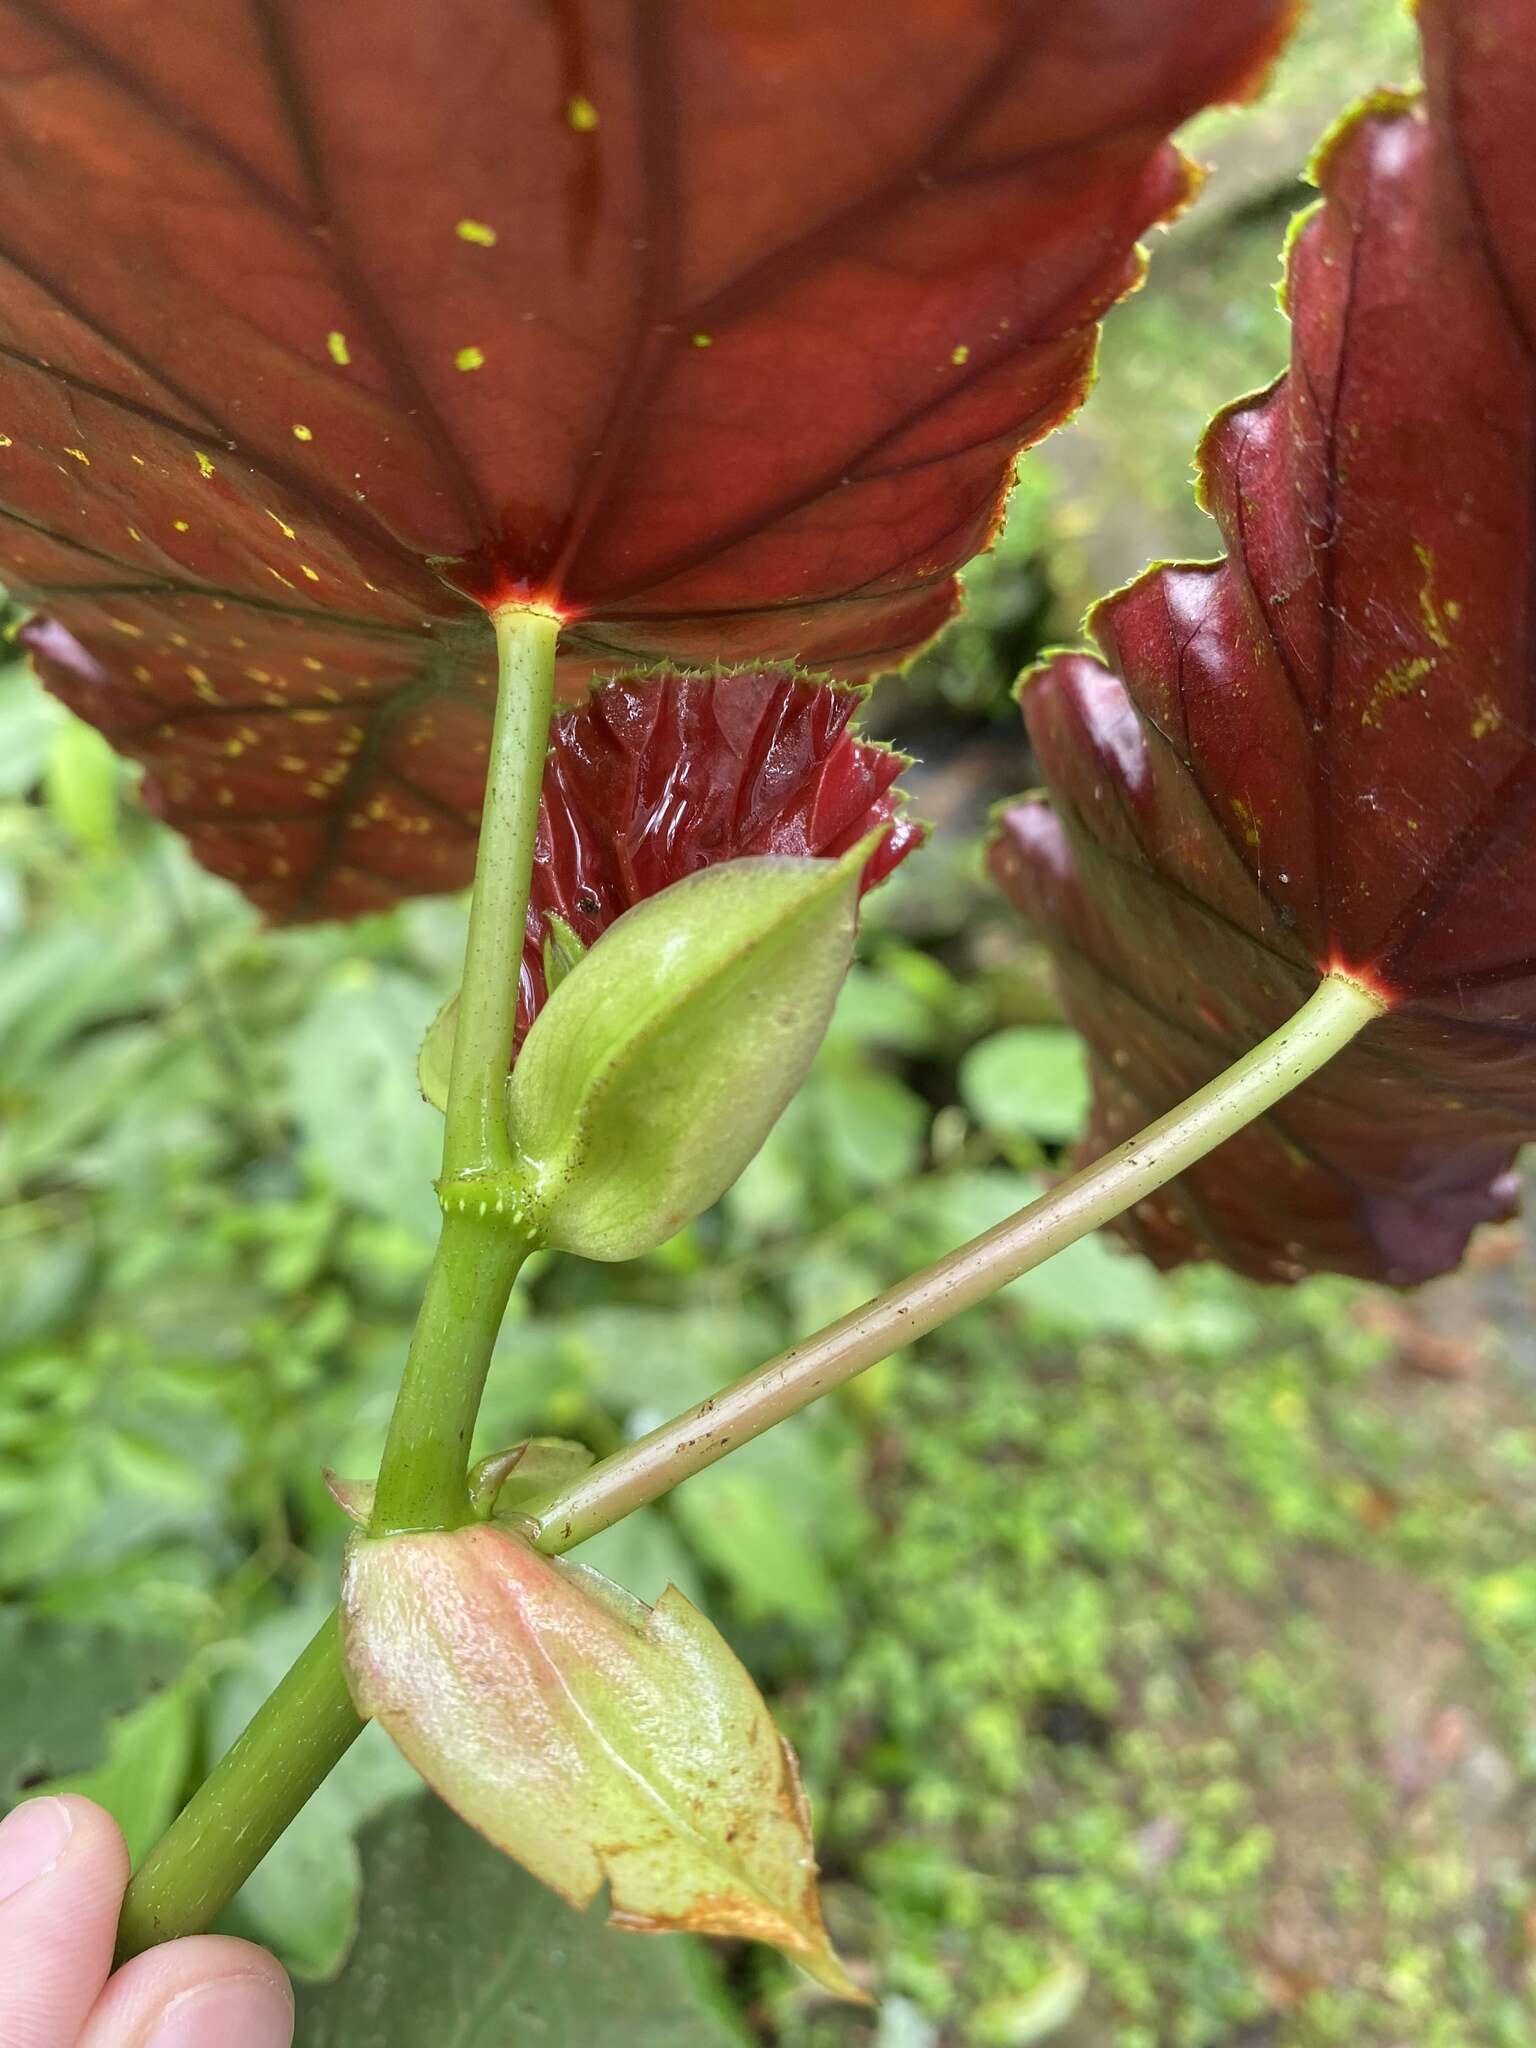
[655,777]
[713,323]
[1321,754]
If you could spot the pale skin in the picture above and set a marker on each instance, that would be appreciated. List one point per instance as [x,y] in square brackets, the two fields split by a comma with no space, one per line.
[63,1868]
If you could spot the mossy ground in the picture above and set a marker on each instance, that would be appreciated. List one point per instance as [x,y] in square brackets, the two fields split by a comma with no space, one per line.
[1190,1704]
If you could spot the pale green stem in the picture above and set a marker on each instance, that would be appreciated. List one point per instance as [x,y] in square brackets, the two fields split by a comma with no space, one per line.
[296,1738]
[475,1125]
[421,1480]
[689,1443]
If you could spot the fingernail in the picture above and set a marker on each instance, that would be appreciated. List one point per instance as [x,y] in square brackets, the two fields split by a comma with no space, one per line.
[32,1839]
[232,2012]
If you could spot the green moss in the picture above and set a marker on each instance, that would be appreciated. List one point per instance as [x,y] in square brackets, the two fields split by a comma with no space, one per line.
[1139,1692]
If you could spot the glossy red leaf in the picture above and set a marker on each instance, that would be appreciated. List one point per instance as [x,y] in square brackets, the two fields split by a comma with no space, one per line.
[714,324]
[655,777]
[1321,752]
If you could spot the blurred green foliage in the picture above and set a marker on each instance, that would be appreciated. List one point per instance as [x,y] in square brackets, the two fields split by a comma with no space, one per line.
[1207,327]
[1158,1650]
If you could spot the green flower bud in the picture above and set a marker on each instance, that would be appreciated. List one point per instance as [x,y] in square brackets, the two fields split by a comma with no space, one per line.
[667,1053]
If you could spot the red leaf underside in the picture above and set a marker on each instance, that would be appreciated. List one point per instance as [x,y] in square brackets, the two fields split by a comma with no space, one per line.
[715,326]
[1321,752]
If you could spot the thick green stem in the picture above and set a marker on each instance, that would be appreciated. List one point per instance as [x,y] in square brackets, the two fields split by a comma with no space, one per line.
[303,1730]
[299,1734]
[475,1134]
[421,1479]
[676,1450]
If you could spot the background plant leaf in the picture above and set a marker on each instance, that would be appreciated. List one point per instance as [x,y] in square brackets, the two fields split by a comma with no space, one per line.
[457,1943]
[1321,753]
[149,1766]
[717,328]
[65,1685]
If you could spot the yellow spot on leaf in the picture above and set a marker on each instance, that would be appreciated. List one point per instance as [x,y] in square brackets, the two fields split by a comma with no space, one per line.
[1248,823]
[282,525]
[469,359]
[181,526]
[477,232]
[310,573]
[581,114]
[302,433]
[203,463]
[1429,612]
[1402,679]
[336,342]
[309,661]
[80,455]
[5,441]
[1486,718]
[960,355]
